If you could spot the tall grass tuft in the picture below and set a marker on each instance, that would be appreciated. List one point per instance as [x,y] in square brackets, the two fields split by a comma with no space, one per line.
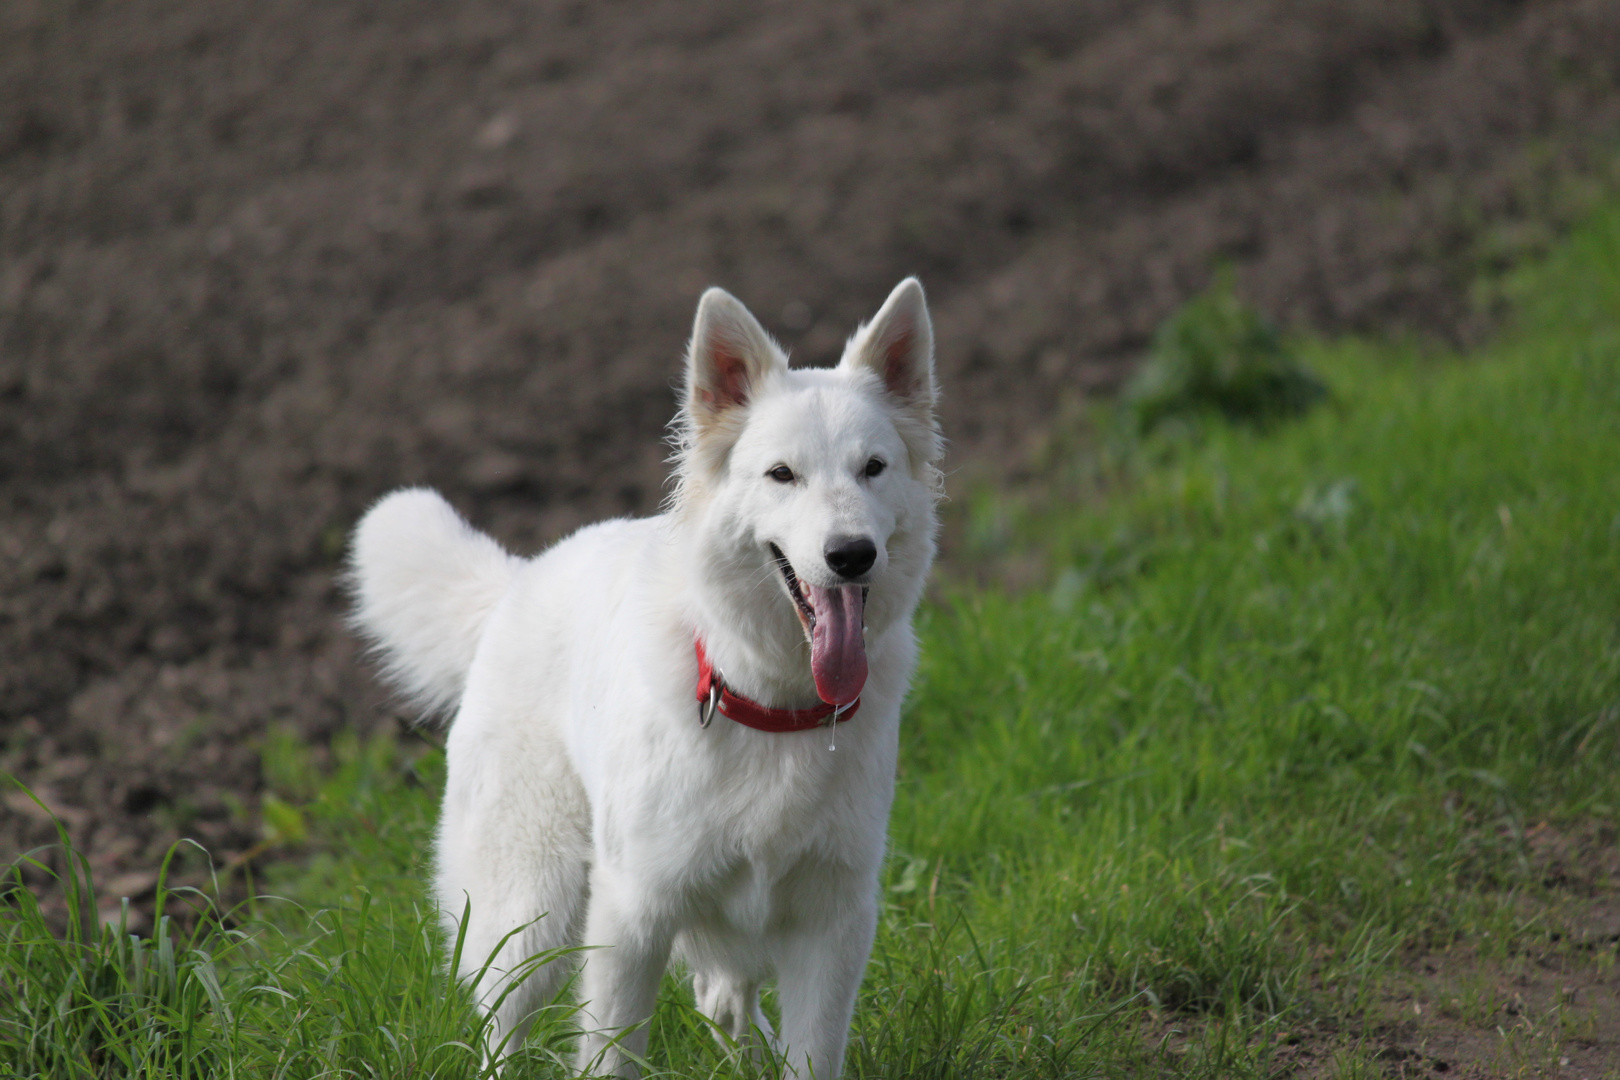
[355,990]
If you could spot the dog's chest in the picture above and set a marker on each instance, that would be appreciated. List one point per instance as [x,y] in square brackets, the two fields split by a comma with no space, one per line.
[766,836]
[761,794]
[725,822]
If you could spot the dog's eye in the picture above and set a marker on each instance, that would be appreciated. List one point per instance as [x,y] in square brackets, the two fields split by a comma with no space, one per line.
[874,466]
[781,474]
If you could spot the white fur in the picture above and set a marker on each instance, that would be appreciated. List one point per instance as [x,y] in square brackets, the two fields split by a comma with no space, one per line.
[584,802]
[424,583]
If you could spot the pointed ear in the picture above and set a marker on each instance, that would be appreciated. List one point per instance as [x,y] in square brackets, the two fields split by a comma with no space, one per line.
[730,355]
[898,347]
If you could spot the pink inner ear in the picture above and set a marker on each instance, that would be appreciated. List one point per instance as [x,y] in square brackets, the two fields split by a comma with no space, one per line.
[730,374]
[898,373]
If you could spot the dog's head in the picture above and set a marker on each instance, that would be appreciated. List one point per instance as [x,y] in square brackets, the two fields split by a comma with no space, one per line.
[814,489]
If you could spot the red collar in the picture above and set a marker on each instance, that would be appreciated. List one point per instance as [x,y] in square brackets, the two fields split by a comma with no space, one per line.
[751,713]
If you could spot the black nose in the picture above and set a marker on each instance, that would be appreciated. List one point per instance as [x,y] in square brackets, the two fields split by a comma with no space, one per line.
[850,558]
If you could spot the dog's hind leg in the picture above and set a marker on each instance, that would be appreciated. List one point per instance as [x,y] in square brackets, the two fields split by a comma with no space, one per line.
[731,1002]
[726,985]
[513,861]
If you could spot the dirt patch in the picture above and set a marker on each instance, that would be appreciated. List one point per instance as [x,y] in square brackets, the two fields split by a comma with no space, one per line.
[1545,1003]
[261,262]
[1552,1009]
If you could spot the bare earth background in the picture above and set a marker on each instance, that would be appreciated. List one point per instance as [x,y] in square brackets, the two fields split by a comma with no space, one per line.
[263,260]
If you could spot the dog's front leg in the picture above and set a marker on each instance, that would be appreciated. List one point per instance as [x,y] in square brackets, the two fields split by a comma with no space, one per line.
[626,953]
[818,974]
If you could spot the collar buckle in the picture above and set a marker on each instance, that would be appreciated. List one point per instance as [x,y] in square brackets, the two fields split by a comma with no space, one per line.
[707,709]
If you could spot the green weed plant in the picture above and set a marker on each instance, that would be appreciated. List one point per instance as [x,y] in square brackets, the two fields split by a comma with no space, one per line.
[1219,357]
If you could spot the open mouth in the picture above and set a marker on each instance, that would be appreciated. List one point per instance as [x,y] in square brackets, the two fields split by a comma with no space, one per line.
[807,614]
[834,621]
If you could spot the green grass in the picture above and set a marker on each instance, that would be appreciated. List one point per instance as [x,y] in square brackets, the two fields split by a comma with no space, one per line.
[1282,716]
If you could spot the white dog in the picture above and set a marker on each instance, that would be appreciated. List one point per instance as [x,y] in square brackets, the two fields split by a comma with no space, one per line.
[678,734]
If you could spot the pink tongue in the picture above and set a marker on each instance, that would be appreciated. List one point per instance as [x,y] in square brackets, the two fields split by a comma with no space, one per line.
[837,645]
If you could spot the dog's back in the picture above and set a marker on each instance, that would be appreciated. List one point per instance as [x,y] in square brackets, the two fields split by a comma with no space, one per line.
[424,583]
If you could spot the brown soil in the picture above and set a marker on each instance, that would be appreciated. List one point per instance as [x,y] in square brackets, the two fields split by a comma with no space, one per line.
[262,261]
[1545,1004]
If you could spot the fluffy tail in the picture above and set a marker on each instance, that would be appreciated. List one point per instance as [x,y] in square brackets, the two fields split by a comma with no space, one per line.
[424,581]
